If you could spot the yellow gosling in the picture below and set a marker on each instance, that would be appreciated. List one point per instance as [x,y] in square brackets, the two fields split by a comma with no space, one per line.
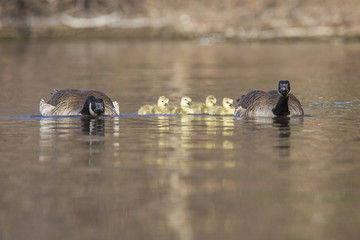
[184,108]
[227,108]
[203,108]
[160,108]
[162,103]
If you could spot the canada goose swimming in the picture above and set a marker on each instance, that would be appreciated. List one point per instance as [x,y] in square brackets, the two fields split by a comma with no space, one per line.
[203,108]
[162,103]
[184,108]
[227,108]
[275,103]
[66,102]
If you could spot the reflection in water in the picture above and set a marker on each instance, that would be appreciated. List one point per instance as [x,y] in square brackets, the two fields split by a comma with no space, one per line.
[177,134]
[59,133]
[177,212]
[177,209]
[191,177]
[179,139]
[223,128]
[283,125]
[93,126]
[186,129]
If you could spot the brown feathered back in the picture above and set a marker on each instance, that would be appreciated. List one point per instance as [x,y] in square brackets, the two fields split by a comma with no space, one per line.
[261,103]
[69,101]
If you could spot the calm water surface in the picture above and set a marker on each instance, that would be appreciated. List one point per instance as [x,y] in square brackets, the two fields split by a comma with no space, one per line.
[172,177]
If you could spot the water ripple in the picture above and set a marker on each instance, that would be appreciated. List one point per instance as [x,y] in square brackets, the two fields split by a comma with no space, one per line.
[337,105]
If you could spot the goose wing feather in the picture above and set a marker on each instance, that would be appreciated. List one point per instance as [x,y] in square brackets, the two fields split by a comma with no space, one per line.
[69,101]
[248,100]
[295,106]
[257,103]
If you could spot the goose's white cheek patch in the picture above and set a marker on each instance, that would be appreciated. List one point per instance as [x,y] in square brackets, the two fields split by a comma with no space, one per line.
[91,111]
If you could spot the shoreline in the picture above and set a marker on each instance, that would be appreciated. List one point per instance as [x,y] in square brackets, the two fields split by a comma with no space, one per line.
[211,22]
[160,29]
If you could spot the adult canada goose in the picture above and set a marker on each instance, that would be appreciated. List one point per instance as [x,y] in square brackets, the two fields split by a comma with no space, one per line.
[203,108]
[227,108]
[67,101]
[275,103]
[162,103]
[184,108]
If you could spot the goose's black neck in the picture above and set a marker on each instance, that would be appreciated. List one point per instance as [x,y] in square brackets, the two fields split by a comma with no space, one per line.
[282,107]
[85,109]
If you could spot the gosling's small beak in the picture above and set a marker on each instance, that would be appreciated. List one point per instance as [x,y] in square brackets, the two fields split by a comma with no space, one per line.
[166,104]
[231,105]
[189,103]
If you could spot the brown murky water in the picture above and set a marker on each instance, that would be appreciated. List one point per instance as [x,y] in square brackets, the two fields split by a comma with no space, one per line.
[171,177]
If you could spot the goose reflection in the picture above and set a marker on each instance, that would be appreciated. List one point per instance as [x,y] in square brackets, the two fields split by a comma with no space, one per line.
[284,133]
[283,127]
[71,139]
[93,126]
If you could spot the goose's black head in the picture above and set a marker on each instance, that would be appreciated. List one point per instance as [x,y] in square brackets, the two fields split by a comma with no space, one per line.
[93,106]
[284,88]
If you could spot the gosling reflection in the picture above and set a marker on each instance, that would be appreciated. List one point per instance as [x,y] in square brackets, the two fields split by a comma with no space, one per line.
[177,138]
[195,132]
[219,125]
[163,127]
[186,132]
[177,211]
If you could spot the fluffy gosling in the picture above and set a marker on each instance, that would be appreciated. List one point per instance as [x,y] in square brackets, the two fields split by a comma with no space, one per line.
[184,108]
[160,108]
[203,108]
[227,108]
